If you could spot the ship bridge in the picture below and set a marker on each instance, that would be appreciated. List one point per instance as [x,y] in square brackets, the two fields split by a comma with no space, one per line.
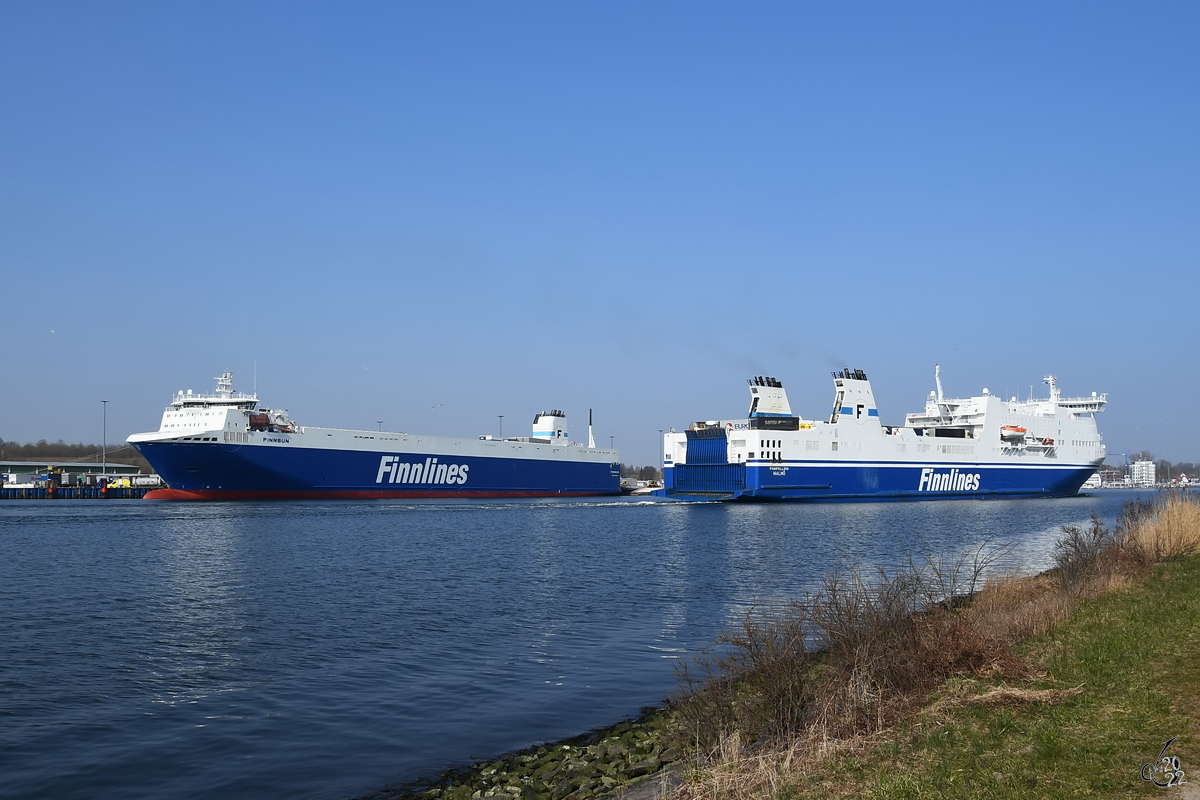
[224,396]
[1079,405]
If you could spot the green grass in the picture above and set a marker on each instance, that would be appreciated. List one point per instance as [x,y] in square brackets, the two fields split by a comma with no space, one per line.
[1134,653]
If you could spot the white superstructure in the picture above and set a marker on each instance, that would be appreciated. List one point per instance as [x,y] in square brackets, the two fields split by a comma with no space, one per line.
[982,444]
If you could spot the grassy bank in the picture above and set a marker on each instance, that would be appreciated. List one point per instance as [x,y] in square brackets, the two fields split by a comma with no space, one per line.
[1059,685]
[1121,676]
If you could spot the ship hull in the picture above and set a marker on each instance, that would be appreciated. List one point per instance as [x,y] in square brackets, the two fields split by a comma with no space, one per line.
[871,481]
[219,471]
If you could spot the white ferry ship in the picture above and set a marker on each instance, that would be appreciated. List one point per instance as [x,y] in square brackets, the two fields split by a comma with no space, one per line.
[982,446]
[223,446]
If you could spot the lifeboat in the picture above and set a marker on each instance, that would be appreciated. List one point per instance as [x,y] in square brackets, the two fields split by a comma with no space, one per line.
[1012,432]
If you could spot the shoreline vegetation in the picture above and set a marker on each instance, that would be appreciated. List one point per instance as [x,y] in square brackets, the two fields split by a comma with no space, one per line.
[115,453]
[938,679]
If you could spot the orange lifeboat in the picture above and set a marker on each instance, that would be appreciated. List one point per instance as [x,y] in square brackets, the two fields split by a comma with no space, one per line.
[1012,432]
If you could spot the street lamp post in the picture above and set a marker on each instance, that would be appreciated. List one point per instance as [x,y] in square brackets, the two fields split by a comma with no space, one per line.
[104,441]
[659,458]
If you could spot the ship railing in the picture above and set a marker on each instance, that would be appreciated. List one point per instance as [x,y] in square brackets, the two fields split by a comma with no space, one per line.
[236,397]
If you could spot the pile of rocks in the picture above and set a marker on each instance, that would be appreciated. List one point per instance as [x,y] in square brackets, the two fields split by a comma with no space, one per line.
[577,769]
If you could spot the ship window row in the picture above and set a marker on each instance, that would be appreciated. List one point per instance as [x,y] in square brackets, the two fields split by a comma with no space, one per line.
[957,449]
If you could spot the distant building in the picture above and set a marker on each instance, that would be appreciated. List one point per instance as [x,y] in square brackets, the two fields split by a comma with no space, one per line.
[1141,473]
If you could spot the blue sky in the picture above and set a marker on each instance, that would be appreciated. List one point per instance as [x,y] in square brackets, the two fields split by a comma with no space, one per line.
[434,214]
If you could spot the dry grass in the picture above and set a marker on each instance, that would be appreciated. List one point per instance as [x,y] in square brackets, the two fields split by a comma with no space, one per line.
[1015,696]
[1016,608]
[770,711]
[771,772]
[1171,529]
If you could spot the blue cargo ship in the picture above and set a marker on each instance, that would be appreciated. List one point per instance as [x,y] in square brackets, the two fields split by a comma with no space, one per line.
[982,446]
[223,446]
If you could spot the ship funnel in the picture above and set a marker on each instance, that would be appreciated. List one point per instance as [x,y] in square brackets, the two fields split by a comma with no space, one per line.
[591,438]
[550,425]
[768,398]
[854,398]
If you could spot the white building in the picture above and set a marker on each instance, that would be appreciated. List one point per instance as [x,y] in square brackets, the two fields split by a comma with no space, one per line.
[1141,473]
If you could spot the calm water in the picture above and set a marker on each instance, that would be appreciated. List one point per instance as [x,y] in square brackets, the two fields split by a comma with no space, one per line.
[325,649]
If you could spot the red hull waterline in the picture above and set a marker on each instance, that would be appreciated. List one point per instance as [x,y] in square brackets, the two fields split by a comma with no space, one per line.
[347,494]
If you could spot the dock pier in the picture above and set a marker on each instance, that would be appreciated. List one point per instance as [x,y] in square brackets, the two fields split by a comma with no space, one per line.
[75,492]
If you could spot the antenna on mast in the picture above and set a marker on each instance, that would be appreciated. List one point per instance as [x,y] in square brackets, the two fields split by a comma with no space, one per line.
[591,438]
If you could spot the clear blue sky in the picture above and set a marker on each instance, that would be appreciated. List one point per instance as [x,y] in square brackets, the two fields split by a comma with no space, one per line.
[432,214]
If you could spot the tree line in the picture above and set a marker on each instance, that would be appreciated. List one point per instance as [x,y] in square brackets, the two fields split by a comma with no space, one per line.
[641,473]
[42,450]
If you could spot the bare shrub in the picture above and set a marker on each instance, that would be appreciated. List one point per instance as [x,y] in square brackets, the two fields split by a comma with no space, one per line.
[888,648]
[849,656]
[757,684]
[1077,554]
[957,580]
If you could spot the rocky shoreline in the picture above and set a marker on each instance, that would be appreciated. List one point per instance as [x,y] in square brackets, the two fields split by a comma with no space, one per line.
[605,762]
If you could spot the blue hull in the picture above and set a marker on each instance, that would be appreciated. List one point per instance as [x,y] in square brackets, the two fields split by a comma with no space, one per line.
[869,480]
[227,471]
